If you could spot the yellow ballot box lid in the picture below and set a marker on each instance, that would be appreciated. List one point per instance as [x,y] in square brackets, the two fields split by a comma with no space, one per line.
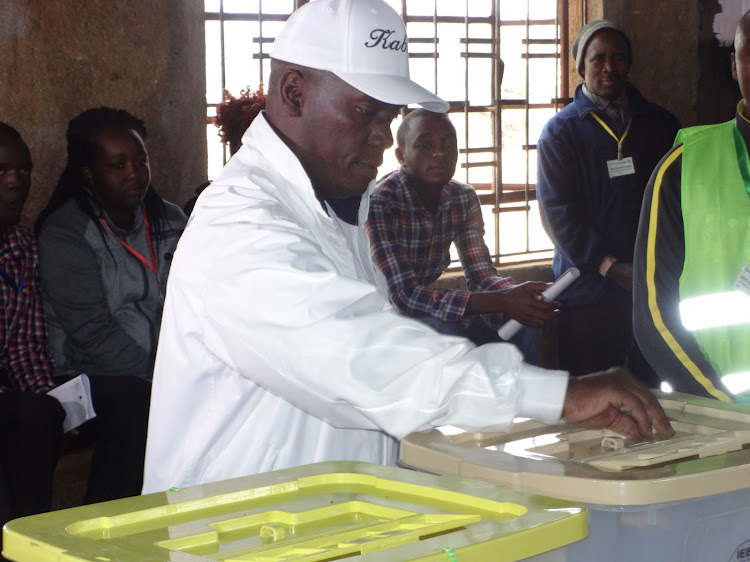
[710,454]
[313,513]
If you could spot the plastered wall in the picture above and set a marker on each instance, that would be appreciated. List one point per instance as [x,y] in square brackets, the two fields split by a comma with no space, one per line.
[61,57]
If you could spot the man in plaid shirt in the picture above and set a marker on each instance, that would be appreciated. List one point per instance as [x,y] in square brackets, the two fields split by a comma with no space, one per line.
[30,421]
[415,214]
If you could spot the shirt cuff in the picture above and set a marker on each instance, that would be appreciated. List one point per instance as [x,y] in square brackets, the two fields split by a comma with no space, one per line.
[541,393]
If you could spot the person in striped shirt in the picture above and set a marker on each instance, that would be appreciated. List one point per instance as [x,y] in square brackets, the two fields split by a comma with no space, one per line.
[30,421]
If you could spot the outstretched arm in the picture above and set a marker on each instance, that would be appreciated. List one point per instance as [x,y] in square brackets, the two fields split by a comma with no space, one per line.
[615,400]
[492,294]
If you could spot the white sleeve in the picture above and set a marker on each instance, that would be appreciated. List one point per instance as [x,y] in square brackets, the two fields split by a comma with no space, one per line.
[279,312]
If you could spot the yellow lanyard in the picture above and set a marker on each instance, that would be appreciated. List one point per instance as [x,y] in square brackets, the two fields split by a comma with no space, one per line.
[614,136]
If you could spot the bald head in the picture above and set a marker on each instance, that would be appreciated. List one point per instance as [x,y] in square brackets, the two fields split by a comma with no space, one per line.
[743,32]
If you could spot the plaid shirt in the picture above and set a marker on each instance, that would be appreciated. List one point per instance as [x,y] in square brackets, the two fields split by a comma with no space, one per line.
[412,247]
[25,361]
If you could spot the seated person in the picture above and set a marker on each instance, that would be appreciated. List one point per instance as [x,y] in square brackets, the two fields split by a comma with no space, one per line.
[106,242]
[415,214]
[30,421]
[693,243]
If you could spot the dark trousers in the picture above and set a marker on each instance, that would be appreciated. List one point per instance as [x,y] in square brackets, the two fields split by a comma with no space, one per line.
[119,434]
[30,437]
[595,338]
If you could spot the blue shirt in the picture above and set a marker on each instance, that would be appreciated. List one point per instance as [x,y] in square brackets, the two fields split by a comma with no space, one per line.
[587,214]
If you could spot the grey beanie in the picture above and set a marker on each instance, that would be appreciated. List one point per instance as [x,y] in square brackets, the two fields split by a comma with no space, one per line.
[586,33]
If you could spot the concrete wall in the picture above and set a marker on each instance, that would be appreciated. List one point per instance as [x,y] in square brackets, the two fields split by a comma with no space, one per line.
[147,56]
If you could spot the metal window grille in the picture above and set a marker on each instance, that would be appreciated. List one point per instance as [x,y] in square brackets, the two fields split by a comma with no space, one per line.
[498,63]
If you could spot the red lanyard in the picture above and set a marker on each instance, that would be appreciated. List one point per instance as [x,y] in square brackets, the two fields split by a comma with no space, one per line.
[153,265]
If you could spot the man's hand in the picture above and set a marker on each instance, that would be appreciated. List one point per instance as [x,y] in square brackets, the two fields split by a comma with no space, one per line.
[622,274]
[525,304]
[615,400]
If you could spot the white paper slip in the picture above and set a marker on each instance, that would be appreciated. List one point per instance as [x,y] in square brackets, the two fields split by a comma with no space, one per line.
[75,398]
[511,327]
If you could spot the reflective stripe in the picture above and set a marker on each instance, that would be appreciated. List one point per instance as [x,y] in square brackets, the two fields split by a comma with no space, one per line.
[712,311]
[737,382]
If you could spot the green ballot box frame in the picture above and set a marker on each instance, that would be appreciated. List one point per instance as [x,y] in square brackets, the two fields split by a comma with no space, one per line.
[313,513]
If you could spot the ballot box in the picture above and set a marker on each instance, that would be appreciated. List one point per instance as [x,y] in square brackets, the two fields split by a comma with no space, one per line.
[682,499]
[319,512]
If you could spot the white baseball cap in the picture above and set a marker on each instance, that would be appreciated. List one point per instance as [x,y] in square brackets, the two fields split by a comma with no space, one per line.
[363,42]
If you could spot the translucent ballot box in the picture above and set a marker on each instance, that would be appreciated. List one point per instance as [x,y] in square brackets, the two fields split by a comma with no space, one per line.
[326,511]
[682,499]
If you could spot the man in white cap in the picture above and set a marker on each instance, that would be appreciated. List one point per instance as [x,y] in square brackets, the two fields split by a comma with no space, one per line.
[594,160]
[276,348]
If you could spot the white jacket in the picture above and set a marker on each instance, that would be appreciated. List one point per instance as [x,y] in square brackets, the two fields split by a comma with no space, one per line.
[277,350]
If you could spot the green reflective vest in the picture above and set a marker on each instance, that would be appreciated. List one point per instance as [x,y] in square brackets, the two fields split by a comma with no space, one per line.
[716,214]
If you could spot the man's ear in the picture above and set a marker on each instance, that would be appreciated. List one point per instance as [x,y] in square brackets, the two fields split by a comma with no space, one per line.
[292,87]
[734,66]
[399,155]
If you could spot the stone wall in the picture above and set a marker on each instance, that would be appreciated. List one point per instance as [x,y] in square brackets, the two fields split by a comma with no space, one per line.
[146,56]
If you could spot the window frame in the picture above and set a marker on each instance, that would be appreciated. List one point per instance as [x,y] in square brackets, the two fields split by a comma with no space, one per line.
[499,196]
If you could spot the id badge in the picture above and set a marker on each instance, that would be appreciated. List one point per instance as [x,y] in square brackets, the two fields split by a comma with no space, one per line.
[742,283]
[621,167]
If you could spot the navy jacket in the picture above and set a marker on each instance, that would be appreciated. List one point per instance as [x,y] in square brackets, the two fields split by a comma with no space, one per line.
[587,214]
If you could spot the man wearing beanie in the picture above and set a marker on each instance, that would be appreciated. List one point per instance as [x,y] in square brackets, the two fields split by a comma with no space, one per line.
[594,161]
[276,348]
[691,293]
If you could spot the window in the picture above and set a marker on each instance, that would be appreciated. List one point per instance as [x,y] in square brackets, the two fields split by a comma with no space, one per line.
[498,63]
